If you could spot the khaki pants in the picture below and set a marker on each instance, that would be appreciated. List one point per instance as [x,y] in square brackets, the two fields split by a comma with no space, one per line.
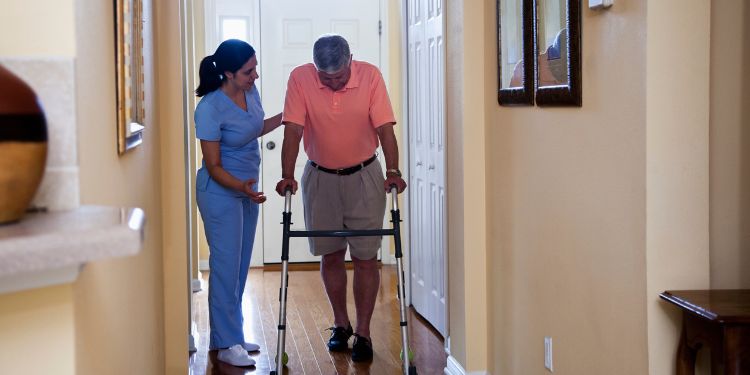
[351,202]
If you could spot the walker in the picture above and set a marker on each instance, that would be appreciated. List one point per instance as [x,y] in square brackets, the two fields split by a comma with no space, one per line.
[281,356]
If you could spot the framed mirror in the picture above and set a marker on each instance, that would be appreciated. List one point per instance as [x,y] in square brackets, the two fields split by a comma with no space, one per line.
[129,72]
[558,52]
[515,52]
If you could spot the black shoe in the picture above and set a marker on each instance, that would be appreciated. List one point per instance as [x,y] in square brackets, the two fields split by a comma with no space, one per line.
[362,349]
[339,340]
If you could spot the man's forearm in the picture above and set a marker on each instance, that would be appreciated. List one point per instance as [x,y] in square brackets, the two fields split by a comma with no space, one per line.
[290,149]
[390,147]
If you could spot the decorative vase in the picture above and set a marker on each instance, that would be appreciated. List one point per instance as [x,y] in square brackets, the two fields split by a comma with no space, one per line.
[23,146]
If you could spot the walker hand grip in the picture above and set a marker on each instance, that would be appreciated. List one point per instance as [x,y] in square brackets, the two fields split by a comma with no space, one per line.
[288,199]
[394,197]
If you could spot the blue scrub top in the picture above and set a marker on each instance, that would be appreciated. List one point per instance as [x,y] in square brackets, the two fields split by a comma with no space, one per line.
[218,118]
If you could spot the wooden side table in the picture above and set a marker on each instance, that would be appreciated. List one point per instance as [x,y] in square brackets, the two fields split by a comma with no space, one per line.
[719,320]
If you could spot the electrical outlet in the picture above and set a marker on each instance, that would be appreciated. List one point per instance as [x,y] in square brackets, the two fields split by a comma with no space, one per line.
[548,354]
[598,4]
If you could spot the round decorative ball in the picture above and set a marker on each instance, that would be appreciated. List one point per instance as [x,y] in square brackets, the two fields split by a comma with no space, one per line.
[23,146]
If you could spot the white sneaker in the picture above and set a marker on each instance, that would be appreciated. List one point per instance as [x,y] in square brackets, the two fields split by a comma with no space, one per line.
[236,355]
[251,347]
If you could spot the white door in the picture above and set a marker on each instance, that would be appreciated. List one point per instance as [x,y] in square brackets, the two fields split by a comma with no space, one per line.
[288,30]
[426,98]
[231,19]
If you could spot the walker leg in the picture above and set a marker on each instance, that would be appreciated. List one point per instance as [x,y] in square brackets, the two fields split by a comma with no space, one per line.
[396,219]
[280,343]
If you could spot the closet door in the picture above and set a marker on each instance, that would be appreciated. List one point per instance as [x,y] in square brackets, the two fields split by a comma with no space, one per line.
[426,101]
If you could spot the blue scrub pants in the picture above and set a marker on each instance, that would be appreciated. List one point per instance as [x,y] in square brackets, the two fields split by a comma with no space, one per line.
[230,224]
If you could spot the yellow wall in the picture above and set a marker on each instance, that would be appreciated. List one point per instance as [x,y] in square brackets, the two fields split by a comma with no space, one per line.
[37,331]
[593,211]
[42,315]
[567,221]
[120,304]
[730,144]
[395,87]
[170,122]
[199,45]
[468,49]
[37,28]
[454,170]
[677,106]
[118,321]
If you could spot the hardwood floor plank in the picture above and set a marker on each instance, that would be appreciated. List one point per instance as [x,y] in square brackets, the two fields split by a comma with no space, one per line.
[308,317]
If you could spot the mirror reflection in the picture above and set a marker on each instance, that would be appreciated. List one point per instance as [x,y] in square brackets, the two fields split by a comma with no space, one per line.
[552,63]
[511,43]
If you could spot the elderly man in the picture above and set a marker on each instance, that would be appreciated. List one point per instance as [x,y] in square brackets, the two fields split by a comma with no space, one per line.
[341,108]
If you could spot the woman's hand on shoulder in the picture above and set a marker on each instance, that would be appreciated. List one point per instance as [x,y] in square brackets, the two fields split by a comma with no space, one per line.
[257,197]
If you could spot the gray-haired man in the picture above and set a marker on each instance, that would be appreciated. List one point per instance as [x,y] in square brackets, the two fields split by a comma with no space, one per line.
[341,108]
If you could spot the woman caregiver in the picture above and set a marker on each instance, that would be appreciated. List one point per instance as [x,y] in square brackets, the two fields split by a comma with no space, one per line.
[228,121]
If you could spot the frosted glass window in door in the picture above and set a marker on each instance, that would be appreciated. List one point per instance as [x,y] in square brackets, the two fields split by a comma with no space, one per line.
[234,28]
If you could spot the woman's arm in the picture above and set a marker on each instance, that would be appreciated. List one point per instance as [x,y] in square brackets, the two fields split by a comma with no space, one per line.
[270,124]
[212,158]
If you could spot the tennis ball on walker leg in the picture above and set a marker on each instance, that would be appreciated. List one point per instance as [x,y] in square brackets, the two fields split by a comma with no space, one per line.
[284,359]
[411,355]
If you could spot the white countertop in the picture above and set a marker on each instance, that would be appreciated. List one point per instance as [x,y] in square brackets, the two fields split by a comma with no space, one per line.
[49,248]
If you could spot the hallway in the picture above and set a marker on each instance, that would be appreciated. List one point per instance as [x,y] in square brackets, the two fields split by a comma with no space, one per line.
[308,315]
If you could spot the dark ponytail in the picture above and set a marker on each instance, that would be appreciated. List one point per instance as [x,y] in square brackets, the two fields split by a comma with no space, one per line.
[230,56]
[210,78]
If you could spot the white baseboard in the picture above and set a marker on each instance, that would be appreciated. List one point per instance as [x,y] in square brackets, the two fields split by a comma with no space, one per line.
[455,368]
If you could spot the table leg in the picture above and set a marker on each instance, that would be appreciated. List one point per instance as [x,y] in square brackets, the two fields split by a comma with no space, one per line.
[736,350]
[685,354]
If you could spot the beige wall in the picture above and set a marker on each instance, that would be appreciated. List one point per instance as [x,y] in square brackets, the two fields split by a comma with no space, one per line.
[567,236]
[173,193]
[596,210]
[454,169]
[45,29]
[37,28]
[119,303]
[730,144]
[677,104]
[394,83]
[468,52]
[31,321]
[199,48]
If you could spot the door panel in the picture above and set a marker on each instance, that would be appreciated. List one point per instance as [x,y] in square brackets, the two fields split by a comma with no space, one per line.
[426,72]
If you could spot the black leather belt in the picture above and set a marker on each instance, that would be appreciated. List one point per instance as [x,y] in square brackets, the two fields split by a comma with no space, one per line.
[344,171]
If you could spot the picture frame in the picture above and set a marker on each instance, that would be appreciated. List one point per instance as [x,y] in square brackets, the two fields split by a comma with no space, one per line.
[557,52]
[129,74]
[515,52]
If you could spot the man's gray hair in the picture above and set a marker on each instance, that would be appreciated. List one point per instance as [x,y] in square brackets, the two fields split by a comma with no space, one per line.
[331,53]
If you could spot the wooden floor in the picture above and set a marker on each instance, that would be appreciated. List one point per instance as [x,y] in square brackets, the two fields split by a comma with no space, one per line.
[308,315]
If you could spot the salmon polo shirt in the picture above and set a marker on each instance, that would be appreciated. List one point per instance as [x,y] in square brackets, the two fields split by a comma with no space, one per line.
[339,127]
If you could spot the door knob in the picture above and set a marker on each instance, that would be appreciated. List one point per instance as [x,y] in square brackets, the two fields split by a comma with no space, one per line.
[432,166]
[271,145]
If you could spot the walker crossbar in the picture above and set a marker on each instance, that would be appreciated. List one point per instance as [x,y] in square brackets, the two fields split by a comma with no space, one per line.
[407,368]
[342,233]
